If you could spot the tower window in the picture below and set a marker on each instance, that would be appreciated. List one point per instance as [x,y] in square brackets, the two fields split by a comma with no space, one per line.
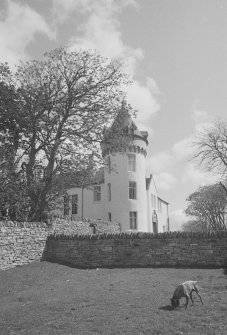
[133,220]
[66,204]
[75,204]
[109,191]
[97,193]
[109,217]
[132,190]
[131,162]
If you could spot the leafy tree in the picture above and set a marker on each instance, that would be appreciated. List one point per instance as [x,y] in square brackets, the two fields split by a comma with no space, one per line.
[206,209]
[59,107]
[12,197]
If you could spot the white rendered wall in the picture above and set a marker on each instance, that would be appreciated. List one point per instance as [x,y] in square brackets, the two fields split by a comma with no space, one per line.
[94,209]
[119,177]
[162,214]
[120,205]
[87,207]
[152,190]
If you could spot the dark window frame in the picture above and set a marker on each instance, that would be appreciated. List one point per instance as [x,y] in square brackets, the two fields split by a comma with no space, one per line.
[132,190]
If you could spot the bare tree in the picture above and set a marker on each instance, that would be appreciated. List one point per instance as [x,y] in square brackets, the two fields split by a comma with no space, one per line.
[211,147]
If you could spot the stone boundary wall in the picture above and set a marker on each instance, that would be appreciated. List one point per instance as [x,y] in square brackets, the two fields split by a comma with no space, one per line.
[140,250]
[70,242]
[84,227]
[23,243]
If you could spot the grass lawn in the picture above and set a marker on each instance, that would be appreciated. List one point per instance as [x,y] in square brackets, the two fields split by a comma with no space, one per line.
[46,298]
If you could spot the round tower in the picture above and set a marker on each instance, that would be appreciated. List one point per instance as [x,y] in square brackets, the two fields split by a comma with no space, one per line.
[124,151]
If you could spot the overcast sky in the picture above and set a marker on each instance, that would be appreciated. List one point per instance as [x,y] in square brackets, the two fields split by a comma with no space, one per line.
[176,51]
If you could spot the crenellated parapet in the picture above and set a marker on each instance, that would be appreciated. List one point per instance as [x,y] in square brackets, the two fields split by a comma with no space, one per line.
[131,148]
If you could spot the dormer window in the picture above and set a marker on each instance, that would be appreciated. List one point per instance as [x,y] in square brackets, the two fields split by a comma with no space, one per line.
[131,129]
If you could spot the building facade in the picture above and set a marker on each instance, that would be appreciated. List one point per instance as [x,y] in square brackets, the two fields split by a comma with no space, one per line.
[121,192]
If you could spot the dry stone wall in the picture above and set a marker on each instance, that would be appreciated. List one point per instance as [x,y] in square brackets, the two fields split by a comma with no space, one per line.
[23,243]
[140,250]
[84,227]
[73,243]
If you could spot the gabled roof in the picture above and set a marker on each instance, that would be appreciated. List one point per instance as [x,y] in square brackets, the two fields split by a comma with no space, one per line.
[165,202]
[148,182]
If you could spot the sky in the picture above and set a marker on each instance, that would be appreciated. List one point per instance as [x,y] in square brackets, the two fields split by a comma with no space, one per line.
[176,55]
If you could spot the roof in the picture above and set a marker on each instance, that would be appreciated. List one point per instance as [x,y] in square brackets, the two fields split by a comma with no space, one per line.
[167,203]
[148,182]
[124,125]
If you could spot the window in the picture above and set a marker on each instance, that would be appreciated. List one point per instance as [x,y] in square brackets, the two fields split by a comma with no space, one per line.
[66,204]
[131,130]
[74,204]
[133,220]
[109,191]
[109,216]
[97,193]
[131,162]
[132,190]
[109,164]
